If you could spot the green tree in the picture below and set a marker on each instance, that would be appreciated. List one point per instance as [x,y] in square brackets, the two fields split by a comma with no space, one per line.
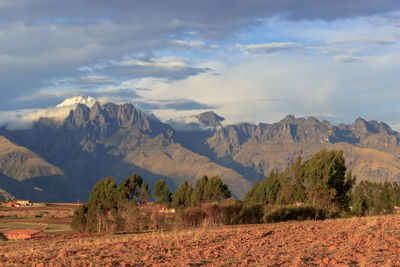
[198,192]
[209,190]
[145,193]
[296,173]
[102,205]
[249,198]
[182,196]
[215,190]
[129,189]
[161,192]
[326,182]
[267,192]
[359,201]
[79,220]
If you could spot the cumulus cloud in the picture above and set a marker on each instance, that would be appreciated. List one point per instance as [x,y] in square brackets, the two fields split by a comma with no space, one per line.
[56,40]
[95,44]
[24,119]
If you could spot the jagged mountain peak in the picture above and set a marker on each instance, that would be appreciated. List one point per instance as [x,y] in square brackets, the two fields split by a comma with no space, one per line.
[210,119]
[365,128]
[291,119]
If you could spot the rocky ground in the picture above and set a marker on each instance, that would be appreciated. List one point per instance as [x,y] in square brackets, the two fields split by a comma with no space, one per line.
[369,241]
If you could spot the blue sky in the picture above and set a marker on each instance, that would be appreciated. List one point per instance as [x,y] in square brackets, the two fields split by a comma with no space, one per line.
[250,60]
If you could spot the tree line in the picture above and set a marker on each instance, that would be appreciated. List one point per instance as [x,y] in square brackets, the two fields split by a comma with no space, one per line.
[318,188]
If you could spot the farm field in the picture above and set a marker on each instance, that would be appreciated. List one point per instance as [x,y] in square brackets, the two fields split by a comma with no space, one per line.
[366,241]
[54,218]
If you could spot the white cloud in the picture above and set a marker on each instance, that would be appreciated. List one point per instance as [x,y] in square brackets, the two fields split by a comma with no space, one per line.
[23,119]
[197,44]
[165,62]
[91,80]
[269,47]
[368,40]
[349,59]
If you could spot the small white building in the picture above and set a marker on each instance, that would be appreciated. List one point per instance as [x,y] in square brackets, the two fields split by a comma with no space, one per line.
[24,202]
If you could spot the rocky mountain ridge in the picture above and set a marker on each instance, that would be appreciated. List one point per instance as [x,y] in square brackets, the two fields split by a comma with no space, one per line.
[117,140]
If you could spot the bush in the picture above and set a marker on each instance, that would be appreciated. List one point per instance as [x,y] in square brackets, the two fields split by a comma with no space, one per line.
[230,212]
[251,214]
[79,220]
[212,213]
[192,217]
[3,237]
[295,214]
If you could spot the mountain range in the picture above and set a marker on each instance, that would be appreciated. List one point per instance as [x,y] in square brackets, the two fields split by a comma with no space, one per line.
[61,160]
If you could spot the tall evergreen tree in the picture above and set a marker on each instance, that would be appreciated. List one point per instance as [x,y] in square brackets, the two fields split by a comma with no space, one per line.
[161,192]
[182,196]
[145,193]
[102,205]
[209,190]
[326,182]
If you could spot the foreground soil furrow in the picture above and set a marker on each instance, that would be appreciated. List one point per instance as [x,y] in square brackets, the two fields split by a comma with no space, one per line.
[371,241]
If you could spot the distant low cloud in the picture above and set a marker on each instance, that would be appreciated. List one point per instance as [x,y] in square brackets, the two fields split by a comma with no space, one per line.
[349,59]
[269,47]
[197,44]
[91,80]
[173,104]
[368,40]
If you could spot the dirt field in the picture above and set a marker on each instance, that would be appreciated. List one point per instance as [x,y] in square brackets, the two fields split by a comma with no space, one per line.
[370,241]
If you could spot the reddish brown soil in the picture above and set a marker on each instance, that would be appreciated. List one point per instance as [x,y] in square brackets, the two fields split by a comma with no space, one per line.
[24,234]
[370,241]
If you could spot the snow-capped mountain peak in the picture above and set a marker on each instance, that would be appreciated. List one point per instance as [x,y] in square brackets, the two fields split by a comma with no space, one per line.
[88,101]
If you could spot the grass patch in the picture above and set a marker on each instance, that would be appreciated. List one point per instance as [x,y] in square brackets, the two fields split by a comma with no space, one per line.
[45,227]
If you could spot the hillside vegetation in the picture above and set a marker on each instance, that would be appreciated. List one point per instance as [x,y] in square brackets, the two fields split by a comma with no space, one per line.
[318,188]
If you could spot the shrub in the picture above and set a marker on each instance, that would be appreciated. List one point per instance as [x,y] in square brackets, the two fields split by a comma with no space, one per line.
[3,237]
[212,213]
[192,217]
[230,212]
[251,214]
[79,219]
[295,214]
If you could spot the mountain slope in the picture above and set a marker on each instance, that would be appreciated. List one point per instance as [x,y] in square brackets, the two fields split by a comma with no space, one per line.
[21,163]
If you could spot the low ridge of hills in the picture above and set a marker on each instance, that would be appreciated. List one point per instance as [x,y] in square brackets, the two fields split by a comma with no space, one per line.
[62,160]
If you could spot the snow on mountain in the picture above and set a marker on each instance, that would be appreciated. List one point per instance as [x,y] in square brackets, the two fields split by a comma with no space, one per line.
[25,118]
[69,102]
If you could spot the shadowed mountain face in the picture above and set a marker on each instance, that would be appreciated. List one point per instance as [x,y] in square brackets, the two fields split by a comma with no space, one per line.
[210,119]
[64,159]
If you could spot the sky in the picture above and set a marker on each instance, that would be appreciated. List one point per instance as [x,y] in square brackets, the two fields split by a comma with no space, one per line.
[253,60]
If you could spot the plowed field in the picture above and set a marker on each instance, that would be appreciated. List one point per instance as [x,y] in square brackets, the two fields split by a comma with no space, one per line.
[369,241]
